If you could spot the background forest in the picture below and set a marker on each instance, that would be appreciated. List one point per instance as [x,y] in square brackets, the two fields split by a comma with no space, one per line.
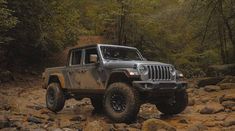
[191,34]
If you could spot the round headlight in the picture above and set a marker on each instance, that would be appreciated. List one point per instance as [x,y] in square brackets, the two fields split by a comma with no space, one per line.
[172,71]
[143,70]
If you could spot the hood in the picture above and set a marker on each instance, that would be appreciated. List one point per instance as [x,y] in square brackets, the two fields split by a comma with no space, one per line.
[130,64]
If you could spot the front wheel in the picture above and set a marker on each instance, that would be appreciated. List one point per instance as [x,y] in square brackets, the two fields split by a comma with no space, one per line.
[55,98]
[176,106]
[121,102]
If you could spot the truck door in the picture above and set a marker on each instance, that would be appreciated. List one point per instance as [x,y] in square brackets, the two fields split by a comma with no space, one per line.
[74,70]
[91,72]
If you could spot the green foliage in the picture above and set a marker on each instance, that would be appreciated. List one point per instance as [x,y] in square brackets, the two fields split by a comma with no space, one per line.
[45,27]
[184,33]
[7,21]
[190,34]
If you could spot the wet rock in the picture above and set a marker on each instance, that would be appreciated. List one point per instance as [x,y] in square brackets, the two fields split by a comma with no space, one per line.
[78,118]
[225,86]
[212,108]
[197,127]
[94,126]
[229,121]
[211,88]
[34,119]
[4,122]
[228,104]
[227,97]
[155,125]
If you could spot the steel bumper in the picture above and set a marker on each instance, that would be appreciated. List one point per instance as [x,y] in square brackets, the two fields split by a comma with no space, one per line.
[160,85]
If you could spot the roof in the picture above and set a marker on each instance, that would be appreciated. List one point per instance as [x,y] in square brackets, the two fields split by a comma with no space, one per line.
[94,45]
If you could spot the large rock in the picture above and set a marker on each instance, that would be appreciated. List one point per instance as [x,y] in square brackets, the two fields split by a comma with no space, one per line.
[212,108]
[197,127]
[225,86]
[228,104]
[227,97]
[155,125]
[229,121]
[211,88]
[209,81]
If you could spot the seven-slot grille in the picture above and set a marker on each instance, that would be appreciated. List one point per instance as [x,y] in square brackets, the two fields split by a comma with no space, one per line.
[159,72]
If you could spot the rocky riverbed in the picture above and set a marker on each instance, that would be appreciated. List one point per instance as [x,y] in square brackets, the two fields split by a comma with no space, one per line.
[22,107]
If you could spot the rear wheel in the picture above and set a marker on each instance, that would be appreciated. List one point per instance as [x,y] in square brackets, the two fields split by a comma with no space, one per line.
[175,106]
[55,98]
[121,102]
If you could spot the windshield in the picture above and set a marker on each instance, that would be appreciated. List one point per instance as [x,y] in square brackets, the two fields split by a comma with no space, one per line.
[120,53]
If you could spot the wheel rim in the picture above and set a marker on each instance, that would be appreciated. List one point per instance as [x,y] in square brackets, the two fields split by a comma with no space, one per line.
[118,102]
[51,96]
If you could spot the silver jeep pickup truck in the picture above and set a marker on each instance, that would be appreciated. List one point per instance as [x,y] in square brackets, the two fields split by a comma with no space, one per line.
[117,79]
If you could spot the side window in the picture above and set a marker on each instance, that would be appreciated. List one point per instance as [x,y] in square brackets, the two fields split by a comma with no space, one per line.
[88,53]
[76,57]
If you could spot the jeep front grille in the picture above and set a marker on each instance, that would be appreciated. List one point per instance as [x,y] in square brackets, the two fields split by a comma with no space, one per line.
[159,72]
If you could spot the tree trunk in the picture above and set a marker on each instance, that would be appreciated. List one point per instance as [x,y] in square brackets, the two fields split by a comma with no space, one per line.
[226,22]
[220,35]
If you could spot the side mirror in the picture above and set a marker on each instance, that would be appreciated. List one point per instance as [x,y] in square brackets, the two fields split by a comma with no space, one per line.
[93,58]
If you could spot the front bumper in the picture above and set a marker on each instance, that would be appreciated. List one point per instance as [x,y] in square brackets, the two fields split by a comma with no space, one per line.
[160,85]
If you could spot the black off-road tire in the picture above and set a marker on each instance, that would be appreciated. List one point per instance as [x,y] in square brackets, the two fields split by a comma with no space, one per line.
[97,103]
[128,100]
[55,98]
[181,102]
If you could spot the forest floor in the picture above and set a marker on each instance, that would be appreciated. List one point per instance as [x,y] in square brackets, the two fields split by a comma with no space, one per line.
[22,107]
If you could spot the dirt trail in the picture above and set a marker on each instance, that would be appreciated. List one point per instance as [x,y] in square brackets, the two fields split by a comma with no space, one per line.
[22,107]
